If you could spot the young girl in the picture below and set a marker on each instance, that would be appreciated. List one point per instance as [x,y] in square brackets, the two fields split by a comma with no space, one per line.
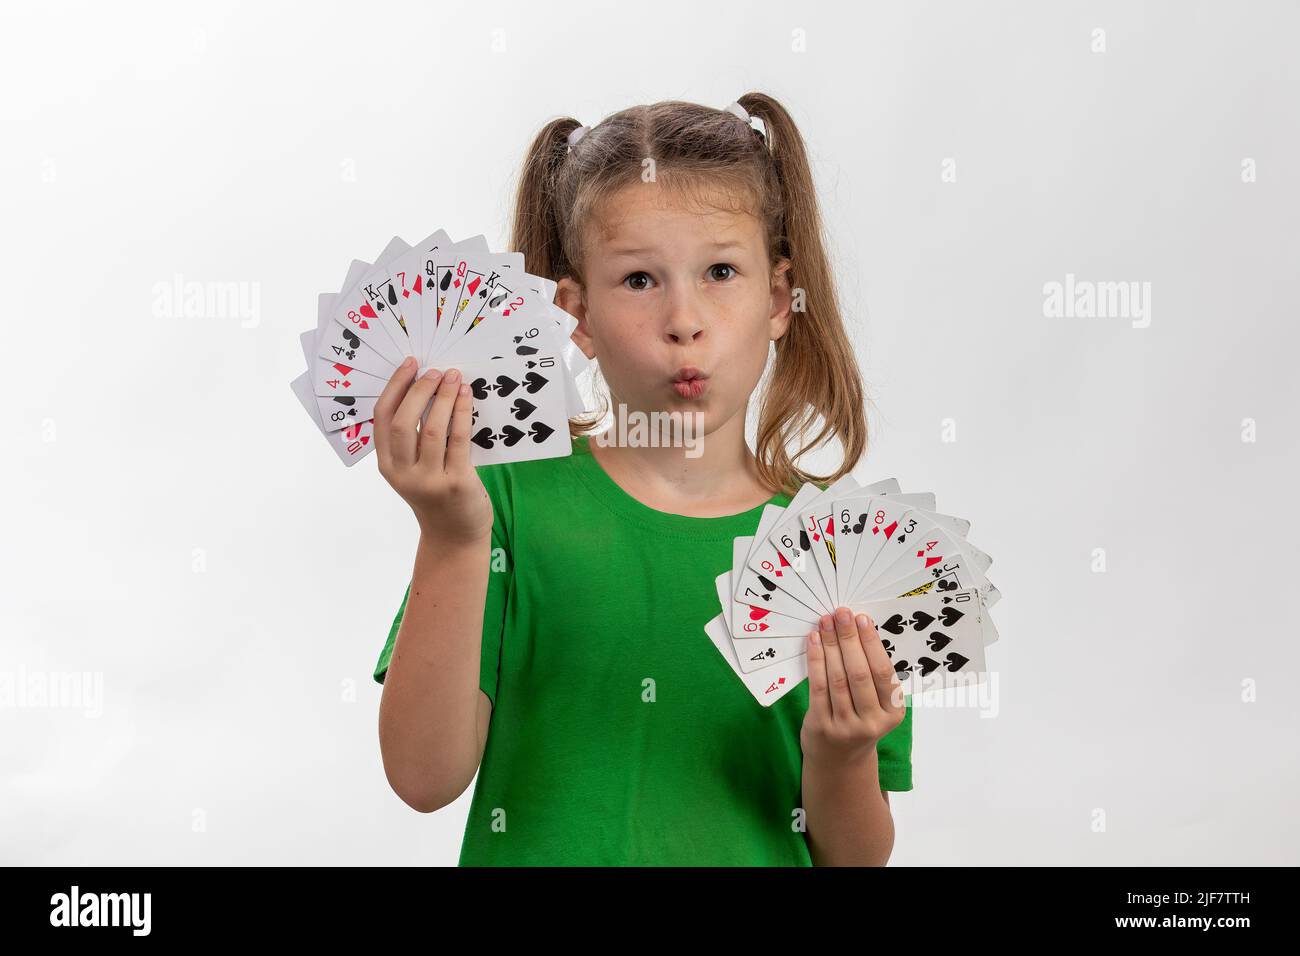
[552,636]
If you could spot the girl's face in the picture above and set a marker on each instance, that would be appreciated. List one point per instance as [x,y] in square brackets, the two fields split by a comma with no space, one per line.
[670,287]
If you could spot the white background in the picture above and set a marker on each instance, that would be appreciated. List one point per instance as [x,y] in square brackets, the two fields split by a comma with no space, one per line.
[269,144]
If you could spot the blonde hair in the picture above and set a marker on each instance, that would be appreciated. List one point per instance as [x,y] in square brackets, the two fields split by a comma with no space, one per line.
[697,148]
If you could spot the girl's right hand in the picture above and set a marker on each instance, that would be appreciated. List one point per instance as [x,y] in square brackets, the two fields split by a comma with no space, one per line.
[429,466]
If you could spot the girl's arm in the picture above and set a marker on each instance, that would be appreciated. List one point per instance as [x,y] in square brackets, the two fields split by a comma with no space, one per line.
[849,823]
[854,699]
[433,717]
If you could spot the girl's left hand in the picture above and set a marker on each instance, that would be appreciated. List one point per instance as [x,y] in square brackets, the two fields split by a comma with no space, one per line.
[855,698]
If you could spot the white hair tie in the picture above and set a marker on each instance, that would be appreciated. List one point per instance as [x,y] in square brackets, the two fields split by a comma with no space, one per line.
[735,108]
[576,135]
[739,110]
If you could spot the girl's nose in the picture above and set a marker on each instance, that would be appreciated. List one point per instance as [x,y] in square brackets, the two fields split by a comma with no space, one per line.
[684,324]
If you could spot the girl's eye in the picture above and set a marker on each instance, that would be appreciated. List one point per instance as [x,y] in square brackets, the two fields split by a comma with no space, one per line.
[721,265]
[634,277]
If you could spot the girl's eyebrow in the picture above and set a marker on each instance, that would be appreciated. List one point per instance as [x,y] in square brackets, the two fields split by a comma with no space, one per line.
[715,246]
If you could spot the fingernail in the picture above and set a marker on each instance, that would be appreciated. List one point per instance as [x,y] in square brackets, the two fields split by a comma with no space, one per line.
[863,621]
[816,637]
[453,375]
[843,616]
[433,375]
[406,362]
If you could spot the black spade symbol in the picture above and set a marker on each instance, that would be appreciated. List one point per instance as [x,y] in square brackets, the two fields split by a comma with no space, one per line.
[533,383]
[540,432]
[921,620]
[888,645]
[938,641]
[496,300]
[956,662]
[446,281]
[392,295]
[479,387]
[505,385]
[765,582]
[894,625]
[345,399]
[521,408]
[510,435]
[927,665]
[901,667]
[483,438]
[950,616]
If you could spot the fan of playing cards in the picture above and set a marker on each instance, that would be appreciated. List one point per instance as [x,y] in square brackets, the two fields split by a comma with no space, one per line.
[451,305]
[873,550]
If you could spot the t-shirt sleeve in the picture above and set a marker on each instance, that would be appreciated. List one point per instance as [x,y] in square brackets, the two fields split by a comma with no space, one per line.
[894,754]
[500,581]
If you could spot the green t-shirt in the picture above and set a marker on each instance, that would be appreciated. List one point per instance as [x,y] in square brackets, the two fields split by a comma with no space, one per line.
[619,734]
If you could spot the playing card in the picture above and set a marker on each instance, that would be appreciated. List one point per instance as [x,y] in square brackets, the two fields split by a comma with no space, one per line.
[792,538]
[447,265]
[757,650]
[365,310]
[334,378]
[854,517]
[520,411]
[932,637]
[771,565]
[757,591]
[884,513]
[350,444]
[766,684]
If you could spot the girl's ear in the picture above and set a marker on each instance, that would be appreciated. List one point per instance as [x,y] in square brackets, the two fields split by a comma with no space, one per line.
[569,297]
[782,299]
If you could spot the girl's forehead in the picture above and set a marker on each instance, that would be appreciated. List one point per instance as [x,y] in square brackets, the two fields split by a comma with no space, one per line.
[641,207]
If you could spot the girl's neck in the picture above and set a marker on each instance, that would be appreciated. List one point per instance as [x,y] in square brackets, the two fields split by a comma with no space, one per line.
[722,478]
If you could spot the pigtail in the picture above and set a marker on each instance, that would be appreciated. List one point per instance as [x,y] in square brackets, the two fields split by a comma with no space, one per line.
[538,222]
[815,373]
